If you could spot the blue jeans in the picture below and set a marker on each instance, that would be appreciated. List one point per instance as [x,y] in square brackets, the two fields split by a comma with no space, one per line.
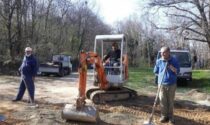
[29,85]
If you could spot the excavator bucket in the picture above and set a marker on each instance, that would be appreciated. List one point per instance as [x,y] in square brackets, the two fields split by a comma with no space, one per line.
[88,113]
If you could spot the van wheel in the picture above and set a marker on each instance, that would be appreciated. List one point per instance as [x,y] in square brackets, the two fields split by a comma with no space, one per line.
[183,82]
[68,71]
[61,73]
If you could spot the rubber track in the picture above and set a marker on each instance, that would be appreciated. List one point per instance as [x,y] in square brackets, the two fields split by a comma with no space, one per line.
[102,96]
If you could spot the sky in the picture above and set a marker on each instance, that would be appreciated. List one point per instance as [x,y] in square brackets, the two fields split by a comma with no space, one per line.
[115,10]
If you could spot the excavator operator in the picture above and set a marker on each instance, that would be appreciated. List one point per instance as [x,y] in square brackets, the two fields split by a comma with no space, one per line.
[113,57]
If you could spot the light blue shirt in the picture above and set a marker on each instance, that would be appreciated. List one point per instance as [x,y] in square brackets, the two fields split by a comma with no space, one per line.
[170,77]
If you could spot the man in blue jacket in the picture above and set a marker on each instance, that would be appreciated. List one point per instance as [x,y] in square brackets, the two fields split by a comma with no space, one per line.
[28,71]
[168,84]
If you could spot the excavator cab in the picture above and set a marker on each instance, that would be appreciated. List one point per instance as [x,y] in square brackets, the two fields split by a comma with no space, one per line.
[116,74]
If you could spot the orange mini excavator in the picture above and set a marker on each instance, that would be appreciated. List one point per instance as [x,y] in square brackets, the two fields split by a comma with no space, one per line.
[109,78]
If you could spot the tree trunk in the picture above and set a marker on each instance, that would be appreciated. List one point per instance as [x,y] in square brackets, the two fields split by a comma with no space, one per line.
[148,52]
[9,10]
[19,28]
[10,40]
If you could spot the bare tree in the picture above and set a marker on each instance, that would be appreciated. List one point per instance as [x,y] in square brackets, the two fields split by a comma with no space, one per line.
[19,26]
[7,15]
[49,26]
[133,30]
[195,15]
[47,13]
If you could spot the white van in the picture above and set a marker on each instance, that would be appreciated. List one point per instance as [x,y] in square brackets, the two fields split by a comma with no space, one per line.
[185,63]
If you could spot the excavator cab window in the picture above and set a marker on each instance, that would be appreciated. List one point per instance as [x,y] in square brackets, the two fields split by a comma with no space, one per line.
[116,68]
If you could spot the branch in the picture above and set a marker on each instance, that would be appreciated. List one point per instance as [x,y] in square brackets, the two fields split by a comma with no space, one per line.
[194,31]
[164,28]
[196,39]
[201,10]
[190,12]
[184,16]
[174,2]
[1,14]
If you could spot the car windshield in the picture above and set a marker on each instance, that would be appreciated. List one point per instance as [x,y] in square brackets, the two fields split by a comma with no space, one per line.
[182,57]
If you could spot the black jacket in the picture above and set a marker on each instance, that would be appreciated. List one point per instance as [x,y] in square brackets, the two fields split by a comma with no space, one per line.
[113,55]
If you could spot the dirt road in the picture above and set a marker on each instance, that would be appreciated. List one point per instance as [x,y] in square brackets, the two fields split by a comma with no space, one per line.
[53,92]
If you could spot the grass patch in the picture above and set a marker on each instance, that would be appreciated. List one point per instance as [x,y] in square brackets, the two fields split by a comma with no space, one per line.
[201,80]
[142,78]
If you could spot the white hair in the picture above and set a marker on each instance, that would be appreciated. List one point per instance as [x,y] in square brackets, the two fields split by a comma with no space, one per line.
[28,49]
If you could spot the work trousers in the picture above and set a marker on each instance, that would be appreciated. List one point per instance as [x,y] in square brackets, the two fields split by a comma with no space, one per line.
[26,83]
[166,96]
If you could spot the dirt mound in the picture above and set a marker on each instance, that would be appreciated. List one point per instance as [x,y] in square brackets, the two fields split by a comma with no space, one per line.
[198,97]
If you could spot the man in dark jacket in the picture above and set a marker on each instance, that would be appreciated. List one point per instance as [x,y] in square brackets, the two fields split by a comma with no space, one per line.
[113,55]
[28,71]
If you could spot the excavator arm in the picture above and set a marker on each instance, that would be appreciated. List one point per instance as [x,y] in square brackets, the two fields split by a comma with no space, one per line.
[86,58]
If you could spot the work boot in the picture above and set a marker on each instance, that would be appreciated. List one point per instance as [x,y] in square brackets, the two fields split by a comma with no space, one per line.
[172,121]
[163,119]
[15,100]
[28,101]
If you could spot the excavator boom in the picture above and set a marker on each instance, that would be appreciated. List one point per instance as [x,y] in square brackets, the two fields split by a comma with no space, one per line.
[85,59]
